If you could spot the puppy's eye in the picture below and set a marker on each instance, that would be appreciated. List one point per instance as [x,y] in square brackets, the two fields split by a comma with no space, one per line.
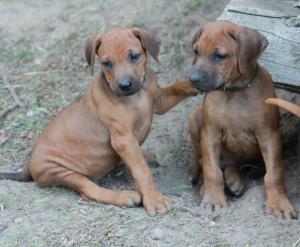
[134,57]
[107,64]
[219,57]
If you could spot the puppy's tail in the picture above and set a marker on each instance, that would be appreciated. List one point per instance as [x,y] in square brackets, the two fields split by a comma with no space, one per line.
[285,105]
[23,176]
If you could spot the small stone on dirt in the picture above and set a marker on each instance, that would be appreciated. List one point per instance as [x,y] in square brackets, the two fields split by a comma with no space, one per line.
[158,234]
[196,211]
[119,233]
[212,223]
[18,220]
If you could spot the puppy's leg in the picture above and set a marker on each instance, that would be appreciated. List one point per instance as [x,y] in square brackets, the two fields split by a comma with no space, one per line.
[194,125]
[168,97]
[277,200]
[126,145]
[196,165]
[58,175]
[233,180]
[212,190]
[149,157]
[298,147]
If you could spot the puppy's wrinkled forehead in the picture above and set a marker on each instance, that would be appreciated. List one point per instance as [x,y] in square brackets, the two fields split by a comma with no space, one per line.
[216,36]
[118,42]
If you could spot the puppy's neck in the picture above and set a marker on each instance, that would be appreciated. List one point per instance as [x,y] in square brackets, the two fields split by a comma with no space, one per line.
[243,79]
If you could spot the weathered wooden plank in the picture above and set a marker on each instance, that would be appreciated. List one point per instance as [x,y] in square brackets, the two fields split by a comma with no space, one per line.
[267,8]
[279,21]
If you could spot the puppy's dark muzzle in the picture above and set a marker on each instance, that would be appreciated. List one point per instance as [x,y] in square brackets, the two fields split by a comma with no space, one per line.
[128,87]
[125,85]
[202,80]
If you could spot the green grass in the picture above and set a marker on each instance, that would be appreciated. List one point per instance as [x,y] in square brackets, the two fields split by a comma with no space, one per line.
[64,45]
[194,5]
[20,52]
[52,86]
[43,99]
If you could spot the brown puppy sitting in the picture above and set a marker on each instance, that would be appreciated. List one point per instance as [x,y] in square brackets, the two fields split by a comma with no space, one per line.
[234,124]
[108,124]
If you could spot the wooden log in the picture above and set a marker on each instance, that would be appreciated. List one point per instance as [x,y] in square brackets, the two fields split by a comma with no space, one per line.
[279,21]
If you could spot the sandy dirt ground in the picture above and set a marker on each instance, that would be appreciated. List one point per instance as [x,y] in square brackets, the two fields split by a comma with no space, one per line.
[41,50]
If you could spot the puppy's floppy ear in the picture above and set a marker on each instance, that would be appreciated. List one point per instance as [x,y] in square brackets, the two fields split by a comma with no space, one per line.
[194,41]
[250,45]
[149,41]
[197,36]
[90,50]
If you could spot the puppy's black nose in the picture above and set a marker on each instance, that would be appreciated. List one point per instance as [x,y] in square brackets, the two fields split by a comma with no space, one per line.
[125,85]
[196,76]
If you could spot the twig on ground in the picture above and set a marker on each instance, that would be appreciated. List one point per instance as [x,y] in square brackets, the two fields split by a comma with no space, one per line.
[18,102]
[3,227]
[47,72]
[296,244]
[7,80]
[7,110]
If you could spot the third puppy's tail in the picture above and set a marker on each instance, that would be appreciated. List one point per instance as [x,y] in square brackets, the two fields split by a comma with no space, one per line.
[285,105]
[23,175]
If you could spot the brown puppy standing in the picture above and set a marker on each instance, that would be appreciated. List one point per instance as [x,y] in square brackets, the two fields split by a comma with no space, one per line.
[108,124]
[234,123]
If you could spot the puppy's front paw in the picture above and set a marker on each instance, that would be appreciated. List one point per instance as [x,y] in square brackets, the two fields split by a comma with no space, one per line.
[156,203]
[280,206]
[213,199]
[194,91]
[128,199]
[195,86]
